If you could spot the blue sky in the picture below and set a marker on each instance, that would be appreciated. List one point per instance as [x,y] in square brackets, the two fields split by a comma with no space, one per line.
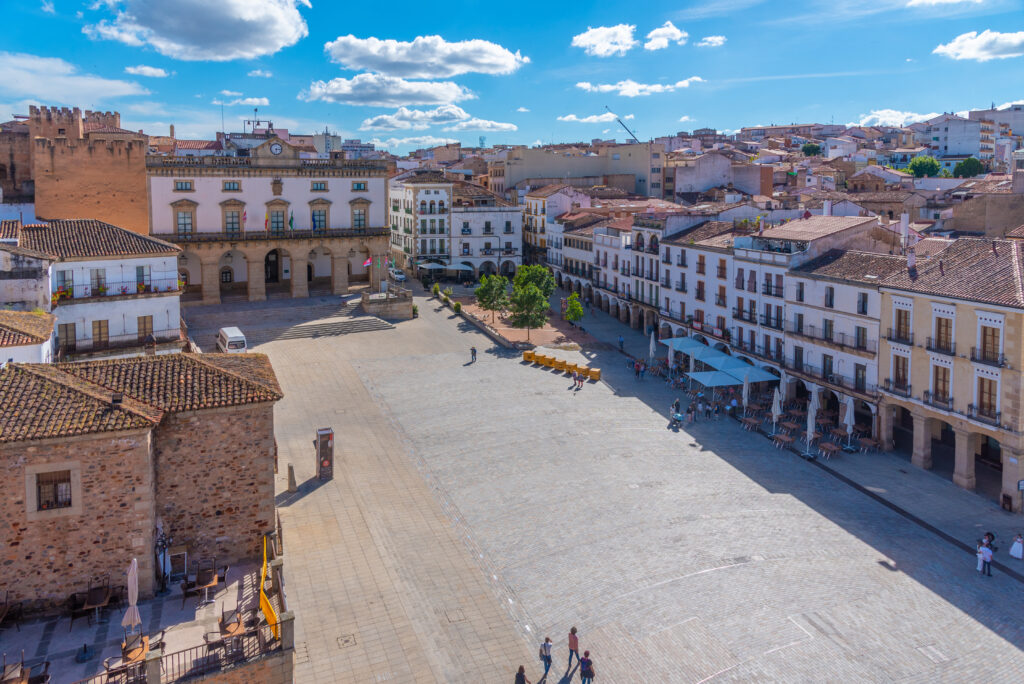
[412,73]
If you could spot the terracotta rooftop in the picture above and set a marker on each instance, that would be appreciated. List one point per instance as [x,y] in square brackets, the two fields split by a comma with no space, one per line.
[974,269]
[1017,232]
[196,144]
[547,190]
[861,267]
[19,328]
[78,238]
[44,400]
[9,230]
[699,233]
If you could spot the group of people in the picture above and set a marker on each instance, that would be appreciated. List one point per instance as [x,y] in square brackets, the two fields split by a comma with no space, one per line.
[710,409]
[586,663]
[578,379]
[639,369]
[987,547]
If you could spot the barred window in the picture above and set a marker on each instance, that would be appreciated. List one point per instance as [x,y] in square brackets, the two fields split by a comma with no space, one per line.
[53,490]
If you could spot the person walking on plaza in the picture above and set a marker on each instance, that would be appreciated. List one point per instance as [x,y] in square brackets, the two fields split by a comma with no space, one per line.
[980,562]
[636,370]
[621,342]
[1017,548]
[718,408]
[545,655]
[707,411]
[675,405]
[521,676]
[643,369]
[587,668]
[574,647]
[583,379]
[986,559]
[472,354]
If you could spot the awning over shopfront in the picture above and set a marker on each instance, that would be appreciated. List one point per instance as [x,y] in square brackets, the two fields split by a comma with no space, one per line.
[430,266]
[714,379]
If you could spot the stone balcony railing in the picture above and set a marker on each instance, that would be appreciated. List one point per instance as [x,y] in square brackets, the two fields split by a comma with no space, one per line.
[240,235]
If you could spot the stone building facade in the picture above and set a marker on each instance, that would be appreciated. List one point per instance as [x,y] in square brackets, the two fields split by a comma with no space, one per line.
[98,454]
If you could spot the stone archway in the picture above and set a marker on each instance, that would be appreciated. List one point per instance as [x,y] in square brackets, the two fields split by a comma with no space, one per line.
[488,268]
[650,321]
[613,307]
[588,293]
[665,331]
[320,269]
[508,269]
[636,318]
[625,314]
[558,278]
[233,272]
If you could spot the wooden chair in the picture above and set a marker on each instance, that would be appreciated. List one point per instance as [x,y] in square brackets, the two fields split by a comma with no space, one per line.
[189,588]
[75,608]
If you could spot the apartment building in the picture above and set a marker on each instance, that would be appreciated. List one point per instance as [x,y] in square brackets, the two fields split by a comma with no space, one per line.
[540,209]
[951,357]
[438,222]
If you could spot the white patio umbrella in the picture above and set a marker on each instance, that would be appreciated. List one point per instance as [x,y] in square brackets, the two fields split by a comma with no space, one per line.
[776,409]
[131,616]
[746,393]
[848,419]
[812,416]
[654,346]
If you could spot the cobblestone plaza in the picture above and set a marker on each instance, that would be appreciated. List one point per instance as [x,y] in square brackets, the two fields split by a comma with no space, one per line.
[478,507]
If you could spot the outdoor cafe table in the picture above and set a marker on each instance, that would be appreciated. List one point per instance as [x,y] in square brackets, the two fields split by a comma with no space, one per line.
[868,443]
[15,673]
[782,440]
[750,423]
[829,449]
[799,413]
[789,425]
[822,422]
[838,432]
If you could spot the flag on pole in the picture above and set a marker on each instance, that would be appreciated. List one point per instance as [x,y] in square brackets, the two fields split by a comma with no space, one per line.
[291,221]
[368,262]
[266,221]
[245,218]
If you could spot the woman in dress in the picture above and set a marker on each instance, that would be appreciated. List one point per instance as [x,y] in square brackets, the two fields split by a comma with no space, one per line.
[1017,548]
[586,669]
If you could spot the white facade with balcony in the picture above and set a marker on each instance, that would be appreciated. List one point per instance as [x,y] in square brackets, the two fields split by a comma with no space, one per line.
[487,239]
[420,220]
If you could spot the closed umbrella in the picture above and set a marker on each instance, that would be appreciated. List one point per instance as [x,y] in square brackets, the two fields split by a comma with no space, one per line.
[654,346]
[776,409]
[746,393]
[848,419]
[131,616]
[812,416]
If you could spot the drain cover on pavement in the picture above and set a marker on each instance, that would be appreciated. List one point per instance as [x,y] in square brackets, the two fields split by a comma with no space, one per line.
[347,640]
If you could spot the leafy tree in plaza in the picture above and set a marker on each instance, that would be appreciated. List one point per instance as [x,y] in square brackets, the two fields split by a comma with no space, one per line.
[923,166]
[968,168]
[529,307]
[811,149]
[536,275]
[573,309]
[492,294]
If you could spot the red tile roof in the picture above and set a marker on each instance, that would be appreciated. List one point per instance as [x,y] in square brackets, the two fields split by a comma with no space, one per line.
[20,328]
[197,144]
[76,238]
[43,400]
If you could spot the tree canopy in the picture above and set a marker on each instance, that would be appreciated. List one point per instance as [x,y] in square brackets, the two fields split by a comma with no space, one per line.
[492,294]
[923,166]
[573,309]
[811,149]
[968,168]
[529,307]
[536,275]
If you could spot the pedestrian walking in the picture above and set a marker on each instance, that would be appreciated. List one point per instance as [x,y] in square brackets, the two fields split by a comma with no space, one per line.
[707,411]
[689,413]
[643,369]
[472,354]
[545,655]
[986,559]
[521,676]
[732,406]
[718,408]
[574,647]
[621,342]
[700,409]
[583,378]
[675,405]
[587,668]
[981,563]
[575,379]
[1017,548]
[636,370]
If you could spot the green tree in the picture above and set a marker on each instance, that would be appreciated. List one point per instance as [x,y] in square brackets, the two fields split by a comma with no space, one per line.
[573,309]
[492,294]
[536,275]
[923,166]
[968,168]
[811,149]
[529,308]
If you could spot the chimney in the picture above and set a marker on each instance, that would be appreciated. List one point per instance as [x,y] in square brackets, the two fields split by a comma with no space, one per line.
[905,229]
[115,400]
[826,208]
[172,130]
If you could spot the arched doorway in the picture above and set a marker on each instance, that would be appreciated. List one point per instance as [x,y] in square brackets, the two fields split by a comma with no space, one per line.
[665,331]
[508,269]
[613,308]
[558,278]
[650,321]
[233,272]
[588,293]
[625,315]
[272,266]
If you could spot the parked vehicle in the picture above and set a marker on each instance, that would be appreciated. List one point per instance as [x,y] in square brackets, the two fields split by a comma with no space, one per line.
[231,341]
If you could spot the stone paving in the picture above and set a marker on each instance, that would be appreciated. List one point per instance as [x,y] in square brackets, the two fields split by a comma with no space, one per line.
[477,508]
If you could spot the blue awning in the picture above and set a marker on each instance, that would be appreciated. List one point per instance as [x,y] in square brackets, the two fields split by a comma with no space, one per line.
[714,379]
[751,374]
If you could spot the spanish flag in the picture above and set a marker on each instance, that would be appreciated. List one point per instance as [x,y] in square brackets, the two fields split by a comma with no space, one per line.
[266,221]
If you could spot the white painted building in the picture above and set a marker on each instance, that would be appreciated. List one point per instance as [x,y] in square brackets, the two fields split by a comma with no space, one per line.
[26,337]
[540,208]
[109,287]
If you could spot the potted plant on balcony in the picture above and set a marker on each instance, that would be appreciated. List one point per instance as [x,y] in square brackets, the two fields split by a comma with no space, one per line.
[101,290]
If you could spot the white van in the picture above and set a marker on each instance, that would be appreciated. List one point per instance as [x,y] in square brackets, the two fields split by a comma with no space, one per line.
[231,341]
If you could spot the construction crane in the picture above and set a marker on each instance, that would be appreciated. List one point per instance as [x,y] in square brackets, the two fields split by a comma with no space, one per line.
[631,135]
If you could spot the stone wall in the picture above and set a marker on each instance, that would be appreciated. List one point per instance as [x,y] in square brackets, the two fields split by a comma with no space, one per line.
[93,179]
[15,163]
[215,480]
[47,555]
[389,308]
[275,669]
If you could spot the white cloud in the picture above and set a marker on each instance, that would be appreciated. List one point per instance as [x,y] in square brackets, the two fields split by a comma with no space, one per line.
[247,101]
[230,93]
[891,117]
[260,73]
[415,119]
[1007,105]
[377,90]
[198,122]
[932,3]
[630,88]
[593,118]
[629,116]
[606,41]
[685,119]
[984,46]
[55,81]
[47,7]
[483,125]
[202,30]
[712,41]
[414,142]
[423,57]
[522,110]
[659,38]
[143,70]
[536,143]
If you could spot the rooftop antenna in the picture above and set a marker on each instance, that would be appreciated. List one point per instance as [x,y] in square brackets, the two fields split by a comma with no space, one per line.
[622,124]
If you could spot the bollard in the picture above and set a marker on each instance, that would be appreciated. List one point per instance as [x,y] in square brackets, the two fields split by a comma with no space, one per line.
[292,486]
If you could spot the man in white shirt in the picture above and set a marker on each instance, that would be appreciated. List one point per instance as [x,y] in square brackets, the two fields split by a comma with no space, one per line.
[986,559]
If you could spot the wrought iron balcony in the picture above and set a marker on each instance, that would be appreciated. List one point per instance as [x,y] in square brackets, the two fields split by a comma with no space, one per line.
[897,388]
[771,290]
[988,357]
[900,336]
[937,400]
[680,286]
[742,315]
[941,346]
[986,414]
